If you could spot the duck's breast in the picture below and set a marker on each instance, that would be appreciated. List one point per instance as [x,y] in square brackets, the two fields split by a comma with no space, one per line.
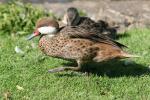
[67,48]
[78,49]
[50,46]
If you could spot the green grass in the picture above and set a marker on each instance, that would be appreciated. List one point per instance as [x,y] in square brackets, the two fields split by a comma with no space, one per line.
[107,81]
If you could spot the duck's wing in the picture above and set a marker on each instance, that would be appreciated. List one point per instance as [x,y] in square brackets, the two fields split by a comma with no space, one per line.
[79,32]
[105,39]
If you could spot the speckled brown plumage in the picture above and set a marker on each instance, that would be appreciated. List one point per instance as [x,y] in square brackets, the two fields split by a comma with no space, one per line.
[78,48]
[100,27]
[80,32]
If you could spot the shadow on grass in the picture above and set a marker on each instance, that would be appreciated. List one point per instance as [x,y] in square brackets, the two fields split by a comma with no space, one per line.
[124,35]
[112,69]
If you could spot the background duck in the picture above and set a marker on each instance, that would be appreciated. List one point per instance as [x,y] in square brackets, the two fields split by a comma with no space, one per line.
[73,18]
[54,43]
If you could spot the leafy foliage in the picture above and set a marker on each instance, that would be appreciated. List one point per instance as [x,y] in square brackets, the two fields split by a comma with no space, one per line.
[18,17]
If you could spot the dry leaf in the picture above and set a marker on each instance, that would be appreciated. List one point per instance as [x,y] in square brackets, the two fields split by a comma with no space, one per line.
[18,50]
[19,87]
[7,95]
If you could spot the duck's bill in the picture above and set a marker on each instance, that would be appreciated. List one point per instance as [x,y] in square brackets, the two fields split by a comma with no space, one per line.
[31,36]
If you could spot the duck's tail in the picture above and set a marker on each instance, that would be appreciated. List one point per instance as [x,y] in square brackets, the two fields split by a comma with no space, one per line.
[127,55]
[106,55]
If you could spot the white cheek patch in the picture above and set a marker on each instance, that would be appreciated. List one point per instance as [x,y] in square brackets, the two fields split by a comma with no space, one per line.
[47,30]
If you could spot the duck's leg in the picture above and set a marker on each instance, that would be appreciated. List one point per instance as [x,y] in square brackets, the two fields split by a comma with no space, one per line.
[60,69]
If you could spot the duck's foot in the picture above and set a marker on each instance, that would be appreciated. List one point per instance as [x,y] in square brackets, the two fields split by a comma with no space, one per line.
[60,69]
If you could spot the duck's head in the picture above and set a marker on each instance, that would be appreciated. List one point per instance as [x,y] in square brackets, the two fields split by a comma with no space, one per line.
[45,26]
[71,17]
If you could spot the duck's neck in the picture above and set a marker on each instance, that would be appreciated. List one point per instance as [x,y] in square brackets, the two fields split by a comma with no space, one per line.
[75,21]
[47,36]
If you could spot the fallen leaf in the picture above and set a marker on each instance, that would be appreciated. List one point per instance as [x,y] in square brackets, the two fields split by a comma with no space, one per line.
[7,95]
[18,50]
[19,87]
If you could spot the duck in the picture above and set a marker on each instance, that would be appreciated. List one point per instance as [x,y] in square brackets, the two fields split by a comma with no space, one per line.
[68,44]
[72,18]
